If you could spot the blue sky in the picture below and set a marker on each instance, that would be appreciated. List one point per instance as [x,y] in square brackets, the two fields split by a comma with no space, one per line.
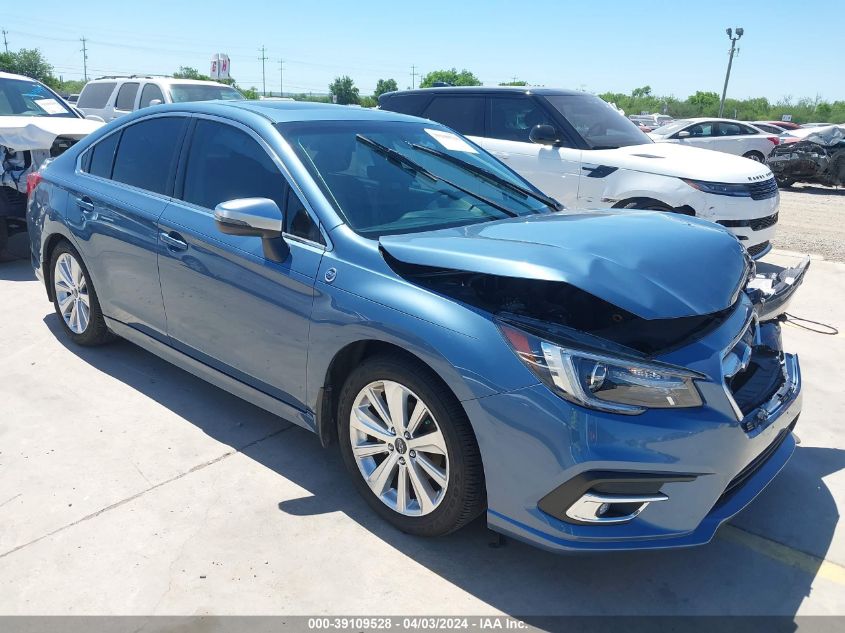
[789,49]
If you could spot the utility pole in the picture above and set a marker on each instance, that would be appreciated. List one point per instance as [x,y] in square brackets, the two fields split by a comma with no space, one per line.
[414,74]
[263,59]
[5,41]
[84,58]
[281,78]
[739,32]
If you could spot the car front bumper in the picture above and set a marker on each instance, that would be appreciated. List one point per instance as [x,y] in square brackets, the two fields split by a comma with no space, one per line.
[714,459]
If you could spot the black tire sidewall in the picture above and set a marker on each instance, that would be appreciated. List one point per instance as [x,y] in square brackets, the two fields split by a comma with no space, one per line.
[451,514]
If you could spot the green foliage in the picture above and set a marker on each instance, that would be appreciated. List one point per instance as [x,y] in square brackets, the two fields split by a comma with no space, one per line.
[450,76]
[29,62]
[385,85]
[343,88]
[186,72]
[368,102]
[250,93]
[514,83]
[71,86]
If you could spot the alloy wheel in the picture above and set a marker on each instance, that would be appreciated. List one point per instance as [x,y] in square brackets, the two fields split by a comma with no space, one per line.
[71,290]
[399,448]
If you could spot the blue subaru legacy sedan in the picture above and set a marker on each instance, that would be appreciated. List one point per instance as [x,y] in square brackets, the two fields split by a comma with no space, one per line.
[592,382]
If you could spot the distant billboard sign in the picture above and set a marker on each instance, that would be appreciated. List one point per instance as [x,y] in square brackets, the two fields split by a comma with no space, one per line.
[219,66]
[786,117]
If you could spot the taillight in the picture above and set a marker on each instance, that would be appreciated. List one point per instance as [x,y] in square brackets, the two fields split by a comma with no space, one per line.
[774,139]
[32,181]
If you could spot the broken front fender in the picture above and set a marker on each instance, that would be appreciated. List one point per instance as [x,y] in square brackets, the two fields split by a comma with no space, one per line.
[772,292]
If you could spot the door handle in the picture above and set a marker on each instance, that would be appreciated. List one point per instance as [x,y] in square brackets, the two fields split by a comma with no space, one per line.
[174,241]
[86,204]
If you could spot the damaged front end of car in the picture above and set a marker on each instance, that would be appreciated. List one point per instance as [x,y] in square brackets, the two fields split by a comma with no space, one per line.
[819,159]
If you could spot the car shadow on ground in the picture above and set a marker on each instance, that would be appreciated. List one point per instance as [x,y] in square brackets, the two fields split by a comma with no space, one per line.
[720,578]
[16,270]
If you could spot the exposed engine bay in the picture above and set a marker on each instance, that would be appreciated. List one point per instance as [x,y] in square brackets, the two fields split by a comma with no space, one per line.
[557,307]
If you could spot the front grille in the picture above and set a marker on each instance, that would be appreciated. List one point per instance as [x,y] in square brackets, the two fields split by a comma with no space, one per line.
[757,249]
[763,189]
[763,223]
[756,464]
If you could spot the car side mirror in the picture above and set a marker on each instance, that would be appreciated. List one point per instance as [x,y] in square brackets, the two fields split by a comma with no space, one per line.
[683,134]
[155,102]
[543,134]
[254,217]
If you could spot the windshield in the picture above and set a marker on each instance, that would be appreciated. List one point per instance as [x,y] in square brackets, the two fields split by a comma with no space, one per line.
[19,97]
[203,92]
[671,128]
[599,124]
[383,192]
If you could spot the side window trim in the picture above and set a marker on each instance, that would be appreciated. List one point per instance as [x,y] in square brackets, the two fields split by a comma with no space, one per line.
[283,170]
[168,194]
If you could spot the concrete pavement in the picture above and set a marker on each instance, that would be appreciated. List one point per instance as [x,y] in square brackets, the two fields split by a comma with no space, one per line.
[128,486]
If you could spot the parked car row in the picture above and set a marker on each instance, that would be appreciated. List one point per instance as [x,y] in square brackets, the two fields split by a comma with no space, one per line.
[595,381]
[581,151]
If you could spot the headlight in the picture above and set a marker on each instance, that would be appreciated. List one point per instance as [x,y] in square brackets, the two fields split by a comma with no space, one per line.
[720,188]
[604,382]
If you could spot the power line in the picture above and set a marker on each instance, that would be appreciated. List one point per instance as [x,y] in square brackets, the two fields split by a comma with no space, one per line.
[263,58]
[84,58]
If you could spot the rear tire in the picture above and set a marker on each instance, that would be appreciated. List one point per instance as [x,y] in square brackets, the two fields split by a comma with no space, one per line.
[441,479]
[75,299]
[755,156]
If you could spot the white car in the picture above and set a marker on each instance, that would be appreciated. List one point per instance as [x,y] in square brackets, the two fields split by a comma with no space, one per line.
[35,124]
[580,150]
[111,97]
[722,135]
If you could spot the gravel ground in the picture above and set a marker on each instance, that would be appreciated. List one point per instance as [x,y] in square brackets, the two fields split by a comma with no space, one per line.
[812,220]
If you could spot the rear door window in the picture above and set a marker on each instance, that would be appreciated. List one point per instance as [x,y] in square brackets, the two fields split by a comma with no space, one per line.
[95,95]
[463,114]
[150,93]
[146,156]
[102,156]
[407,104]
[126,97]
[511,118]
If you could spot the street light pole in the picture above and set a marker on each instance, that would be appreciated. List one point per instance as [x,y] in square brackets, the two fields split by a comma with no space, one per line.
[739,32]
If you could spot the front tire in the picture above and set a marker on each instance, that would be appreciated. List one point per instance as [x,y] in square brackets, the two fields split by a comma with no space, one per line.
[755,156]
[409,447]
[75,299]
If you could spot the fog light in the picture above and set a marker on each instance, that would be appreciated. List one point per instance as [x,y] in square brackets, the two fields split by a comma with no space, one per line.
[603,508]
[594,507]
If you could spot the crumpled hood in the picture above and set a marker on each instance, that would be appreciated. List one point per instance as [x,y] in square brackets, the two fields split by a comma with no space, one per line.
[681,161]
[654,265]
[22,133]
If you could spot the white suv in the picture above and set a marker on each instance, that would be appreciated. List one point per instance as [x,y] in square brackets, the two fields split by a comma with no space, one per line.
[579,149]
[111,97]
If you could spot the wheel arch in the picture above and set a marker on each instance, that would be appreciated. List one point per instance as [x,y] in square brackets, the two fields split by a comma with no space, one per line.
[50,244]
[339,369]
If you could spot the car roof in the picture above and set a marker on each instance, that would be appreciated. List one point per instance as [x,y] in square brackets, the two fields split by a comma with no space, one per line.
[491,90]
[154,78]
[14,76]
[287,111]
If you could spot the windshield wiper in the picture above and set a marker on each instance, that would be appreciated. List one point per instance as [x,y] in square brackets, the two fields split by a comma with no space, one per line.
[489,176]
[400,159]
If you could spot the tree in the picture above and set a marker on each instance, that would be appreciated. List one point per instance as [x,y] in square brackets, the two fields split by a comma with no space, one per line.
[705,103]
[450,76]
[514,83]
[368,102]
[385,85]
[343,88]
[29,62]
[645,91]
[250,93]
[186,72]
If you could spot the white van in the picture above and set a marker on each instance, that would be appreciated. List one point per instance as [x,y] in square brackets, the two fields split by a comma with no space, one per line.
[111,97]
[580,150]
